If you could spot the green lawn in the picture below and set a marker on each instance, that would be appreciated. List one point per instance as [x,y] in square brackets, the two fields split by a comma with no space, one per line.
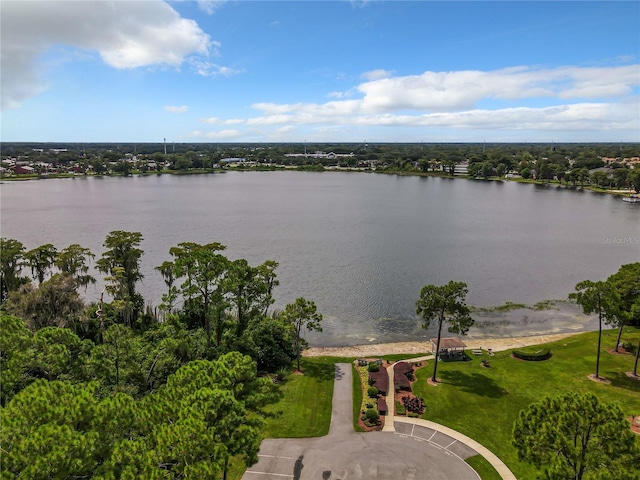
[483,403]
[305,409]
[483,468]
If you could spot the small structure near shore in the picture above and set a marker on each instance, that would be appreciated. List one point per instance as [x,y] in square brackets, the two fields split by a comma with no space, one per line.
[450,347]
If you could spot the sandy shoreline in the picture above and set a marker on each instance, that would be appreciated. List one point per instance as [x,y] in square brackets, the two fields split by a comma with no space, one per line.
[496,344]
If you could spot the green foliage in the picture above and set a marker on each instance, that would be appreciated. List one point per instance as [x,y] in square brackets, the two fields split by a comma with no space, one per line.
[16,345]
[203,270]
[206,413]
[271,343]
[47,432]
[600,298]
[372,392]
[400,408]
[11,261]
[626,283]
[444,303]
[372,415]
[301,313]
[533,355]
[121,263]
[40,260]
[55,302]
[115,363]
[373,367]
[576,436]
[58,354]
[73,261]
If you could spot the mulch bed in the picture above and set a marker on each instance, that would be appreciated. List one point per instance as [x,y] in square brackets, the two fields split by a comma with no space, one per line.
[621,351]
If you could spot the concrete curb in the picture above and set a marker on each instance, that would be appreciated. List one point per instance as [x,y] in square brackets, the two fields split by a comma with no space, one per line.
[493,459]
[391,418]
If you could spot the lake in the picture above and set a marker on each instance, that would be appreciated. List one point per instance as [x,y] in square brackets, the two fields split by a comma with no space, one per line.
[361,245]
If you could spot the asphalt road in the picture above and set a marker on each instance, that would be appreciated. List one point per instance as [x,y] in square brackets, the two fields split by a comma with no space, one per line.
[412,452]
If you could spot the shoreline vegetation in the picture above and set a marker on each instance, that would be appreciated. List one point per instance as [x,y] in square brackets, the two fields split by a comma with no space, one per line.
[319,168]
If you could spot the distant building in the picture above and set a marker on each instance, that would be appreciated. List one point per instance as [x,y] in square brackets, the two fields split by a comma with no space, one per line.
[23,170]
[233,160]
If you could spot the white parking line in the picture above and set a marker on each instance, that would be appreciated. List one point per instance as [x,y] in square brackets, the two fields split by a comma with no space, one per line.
[276,456]
[271,474]
[450,444]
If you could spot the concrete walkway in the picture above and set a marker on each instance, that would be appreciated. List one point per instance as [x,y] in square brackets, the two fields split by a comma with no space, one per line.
[392,420]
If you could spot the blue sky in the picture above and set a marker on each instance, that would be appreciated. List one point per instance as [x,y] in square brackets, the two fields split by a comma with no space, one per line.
[324,71]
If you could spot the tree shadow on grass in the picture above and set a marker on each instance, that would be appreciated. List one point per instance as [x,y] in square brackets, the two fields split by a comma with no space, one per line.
[319,370]
[475,383]
[620,379]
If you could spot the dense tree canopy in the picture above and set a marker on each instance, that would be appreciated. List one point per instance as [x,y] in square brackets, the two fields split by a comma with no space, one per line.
[575,436]
[207,412]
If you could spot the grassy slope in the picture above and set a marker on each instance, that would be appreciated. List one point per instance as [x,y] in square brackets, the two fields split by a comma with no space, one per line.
[305,410]
[483,403]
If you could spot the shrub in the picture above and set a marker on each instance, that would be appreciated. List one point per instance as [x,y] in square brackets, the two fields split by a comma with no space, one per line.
[400,410]
[369,405]
[413,415]
[532,355]
[372,392]
[281,375]
[373,367]
[413,404]
[372,415]
[372,381]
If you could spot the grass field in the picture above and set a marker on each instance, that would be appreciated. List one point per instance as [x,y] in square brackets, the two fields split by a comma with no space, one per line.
[483,403]
[305,409]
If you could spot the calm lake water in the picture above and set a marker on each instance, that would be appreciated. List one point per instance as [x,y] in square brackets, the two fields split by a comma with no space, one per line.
[360,245]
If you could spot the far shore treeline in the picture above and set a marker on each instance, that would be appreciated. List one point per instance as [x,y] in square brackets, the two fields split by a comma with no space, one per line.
[593,165]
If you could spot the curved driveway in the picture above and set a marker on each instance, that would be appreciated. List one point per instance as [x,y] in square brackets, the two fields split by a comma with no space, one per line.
[412,452]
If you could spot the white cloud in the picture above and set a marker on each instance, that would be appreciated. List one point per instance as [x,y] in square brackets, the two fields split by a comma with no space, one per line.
[210,6]
[377,74]
[218,121]
[575,101]
[173,109]
[516,99]
[460,90]
[209,69]
[125,34]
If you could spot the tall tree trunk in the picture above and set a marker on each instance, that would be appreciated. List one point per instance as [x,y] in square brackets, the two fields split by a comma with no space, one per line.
[635,365]
[226,468]
[297,344]
[599,338]
[219,326]
[207,323]
[619,336]
[435,365]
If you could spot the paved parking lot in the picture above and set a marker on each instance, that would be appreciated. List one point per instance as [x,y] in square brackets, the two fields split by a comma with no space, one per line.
[412,452]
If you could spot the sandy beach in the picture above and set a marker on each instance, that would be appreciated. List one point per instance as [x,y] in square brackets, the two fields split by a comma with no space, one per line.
[496,344]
